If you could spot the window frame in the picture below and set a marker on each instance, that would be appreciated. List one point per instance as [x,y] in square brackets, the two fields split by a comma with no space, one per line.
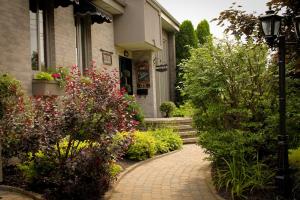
[83,41]
[47,29]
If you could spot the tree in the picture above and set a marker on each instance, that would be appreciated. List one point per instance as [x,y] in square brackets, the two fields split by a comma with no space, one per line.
[185,39]
[240,23]
[203,31]
[233,93]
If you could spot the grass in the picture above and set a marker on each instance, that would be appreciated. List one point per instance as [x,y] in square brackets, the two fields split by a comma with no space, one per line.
[294,158]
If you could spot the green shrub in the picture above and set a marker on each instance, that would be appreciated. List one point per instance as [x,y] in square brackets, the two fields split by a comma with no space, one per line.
[294,159]
[167,108]
[147,144]
[115,170]
[44,76]
[32,170]
[169,137]
[10,91]
[161,146]
[185,110]
[221,145]
[142,147]
[233,88]
[240,176]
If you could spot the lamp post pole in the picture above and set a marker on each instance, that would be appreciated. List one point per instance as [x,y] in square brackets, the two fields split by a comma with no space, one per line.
[282,178]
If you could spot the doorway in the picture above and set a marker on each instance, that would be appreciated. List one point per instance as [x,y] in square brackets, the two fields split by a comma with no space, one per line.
[126,74]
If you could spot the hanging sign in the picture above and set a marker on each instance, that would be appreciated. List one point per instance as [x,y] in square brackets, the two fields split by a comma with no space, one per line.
[143,75]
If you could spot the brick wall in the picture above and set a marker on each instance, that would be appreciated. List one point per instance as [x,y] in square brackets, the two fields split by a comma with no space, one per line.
[103,38]
[15,41]
[65,36]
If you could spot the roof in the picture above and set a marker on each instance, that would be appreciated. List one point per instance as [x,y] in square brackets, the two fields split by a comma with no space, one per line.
[167,13]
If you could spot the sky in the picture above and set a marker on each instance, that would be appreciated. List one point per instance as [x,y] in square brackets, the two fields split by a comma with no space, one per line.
[197,10]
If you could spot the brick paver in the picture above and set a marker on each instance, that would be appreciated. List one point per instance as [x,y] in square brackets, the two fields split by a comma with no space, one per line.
[178,176]
[5,195]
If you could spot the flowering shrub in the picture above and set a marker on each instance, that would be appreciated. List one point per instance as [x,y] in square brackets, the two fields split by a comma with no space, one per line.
[91,113]
[72,138]
[15,118]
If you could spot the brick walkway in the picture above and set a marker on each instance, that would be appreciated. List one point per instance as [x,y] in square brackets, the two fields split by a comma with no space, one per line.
[5,195]
[178,176]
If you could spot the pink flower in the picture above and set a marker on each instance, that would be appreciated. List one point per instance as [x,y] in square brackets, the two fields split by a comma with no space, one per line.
[56,75]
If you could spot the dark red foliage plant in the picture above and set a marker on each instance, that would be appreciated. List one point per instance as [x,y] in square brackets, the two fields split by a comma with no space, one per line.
[81,130]
[76,136]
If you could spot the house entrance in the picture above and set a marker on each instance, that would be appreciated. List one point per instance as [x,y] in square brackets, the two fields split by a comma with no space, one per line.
[126,74]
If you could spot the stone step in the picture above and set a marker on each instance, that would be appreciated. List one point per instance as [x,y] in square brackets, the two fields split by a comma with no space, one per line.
[182,128]
[188,134]
[168,121]
[190,140]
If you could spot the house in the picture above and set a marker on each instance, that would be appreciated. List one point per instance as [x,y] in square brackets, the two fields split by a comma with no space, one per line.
[135,37]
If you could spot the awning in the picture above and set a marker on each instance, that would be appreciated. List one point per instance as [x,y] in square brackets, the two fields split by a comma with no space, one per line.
[65,3]
[85,7]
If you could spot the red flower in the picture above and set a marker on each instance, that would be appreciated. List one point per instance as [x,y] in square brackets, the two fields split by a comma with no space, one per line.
[56,75]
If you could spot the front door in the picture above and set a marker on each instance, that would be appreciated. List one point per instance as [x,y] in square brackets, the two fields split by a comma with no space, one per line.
[126,74]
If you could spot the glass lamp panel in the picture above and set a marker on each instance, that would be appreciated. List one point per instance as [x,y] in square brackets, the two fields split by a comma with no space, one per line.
[267,27]
[298,30]
[276,27]
[297,25]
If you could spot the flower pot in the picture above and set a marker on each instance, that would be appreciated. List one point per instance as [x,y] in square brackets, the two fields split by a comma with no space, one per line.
[46,88]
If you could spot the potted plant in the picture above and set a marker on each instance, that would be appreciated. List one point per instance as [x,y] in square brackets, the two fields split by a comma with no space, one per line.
[49,84]
[167,108]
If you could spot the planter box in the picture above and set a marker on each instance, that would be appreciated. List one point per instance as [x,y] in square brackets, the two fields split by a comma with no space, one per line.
[46,88]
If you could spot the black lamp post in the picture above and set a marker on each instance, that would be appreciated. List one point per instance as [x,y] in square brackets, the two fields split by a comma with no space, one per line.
[271,24]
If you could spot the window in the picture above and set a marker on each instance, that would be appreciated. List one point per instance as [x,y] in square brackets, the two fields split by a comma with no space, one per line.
[83,41]
[41,29]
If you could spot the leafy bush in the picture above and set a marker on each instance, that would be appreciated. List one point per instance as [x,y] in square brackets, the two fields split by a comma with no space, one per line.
[167,108]
[234,91]
[239,176]
[44,76]
[224,144]
[14,115]
[115,170]
[74,137]
[143,146]
[147,144]
[294,159]
[185,110]
[10,91]
[293,107]
[170,139]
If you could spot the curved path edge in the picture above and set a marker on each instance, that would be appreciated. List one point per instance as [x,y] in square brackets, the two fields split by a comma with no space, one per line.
[109,193]
[188,156]
[29,194]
